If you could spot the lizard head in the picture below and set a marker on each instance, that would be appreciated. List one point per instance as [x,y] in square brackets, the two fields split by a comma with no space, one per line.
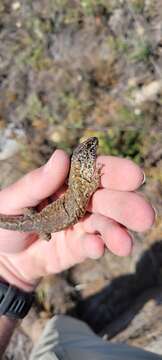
[85,155]
[86,151]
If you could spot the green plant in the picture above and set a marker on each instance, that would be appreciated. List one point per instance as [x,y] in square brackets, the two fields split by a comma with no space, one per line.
[141,51]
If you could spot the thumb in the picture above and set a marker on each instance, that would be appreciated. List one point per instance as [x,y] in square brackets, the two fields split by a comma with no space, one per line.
[36,185]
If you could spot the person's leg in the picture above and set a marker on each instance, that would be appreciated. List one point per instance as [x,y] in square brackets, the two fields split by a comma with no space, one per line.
[68,338]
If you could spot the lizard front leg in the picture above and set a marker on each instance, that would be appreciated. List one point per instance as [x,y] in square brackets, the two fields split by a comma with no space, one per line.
[96,180]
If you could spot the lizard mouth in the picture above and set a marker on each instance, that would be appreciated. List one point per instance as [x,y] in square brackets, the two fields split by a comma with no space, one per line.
[92,141]
[86,149]
[91,145]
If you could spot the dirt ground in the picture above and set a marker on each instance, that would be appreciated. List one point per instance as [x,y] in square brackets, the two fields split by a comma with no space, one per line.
[71,69]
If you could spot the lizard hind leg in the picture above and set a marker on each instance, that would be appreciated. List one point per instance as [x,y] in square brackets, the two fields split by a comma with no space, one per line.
[29,212]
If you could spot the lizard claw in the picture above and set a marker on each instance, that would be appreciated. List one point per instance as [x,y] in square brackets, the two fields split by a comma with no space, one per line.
[45,236]
[99,168]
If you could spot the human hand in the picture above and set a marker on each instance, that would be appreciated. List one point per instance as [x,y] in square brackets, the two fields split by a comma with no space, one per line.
[113,209]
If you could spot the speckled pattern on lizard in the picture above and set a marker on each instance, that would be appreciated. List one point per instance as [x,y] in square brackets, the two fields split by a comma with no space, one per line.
[84,179]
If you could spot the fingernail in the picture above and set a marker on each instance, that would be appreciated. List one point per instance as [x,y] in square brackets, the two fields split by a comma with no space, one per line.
[155,211]
[95,256]
[144,178]
[48,165]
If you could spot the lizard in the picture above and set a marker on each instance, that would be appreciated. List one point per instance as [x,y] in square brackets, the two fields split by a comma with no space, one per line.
[83,181]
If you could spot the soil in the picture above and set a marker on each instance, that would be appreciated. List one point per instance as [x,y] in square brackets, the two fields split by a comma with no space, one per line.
[71,69]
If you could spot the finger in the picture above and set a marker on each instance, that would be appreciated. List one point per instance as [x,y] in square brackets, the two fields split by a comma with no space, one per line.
[52,257]
[36,185]
[120,174]
[128,208]
[116,237]
[77,247]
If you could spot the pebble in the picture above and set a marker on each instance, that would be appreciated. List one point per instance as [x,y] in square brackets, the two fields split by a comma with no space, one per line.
[16,5]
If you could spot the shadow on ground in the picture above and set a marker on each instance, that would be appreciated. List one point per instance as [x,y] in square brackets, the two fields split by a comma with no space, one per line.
[111,310]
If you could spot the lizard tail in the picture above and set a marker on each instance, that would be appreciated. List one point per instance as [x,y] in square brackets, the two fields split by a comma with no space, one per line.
[16,222]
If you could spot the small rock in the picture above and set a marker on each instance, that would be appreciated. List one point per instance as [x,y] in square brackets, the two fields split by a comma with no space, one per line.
[8,148]
[16,5]
[148,92]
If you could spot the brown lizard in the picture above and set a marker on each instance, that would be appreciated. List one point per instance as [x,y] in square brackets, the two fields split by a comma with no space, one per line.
[84,179]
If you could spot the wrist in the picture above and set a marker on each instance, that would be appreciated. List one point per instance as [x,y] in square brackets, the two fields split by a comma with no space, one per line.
[9,323]
[14,303]
[7,326]
[11,276]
